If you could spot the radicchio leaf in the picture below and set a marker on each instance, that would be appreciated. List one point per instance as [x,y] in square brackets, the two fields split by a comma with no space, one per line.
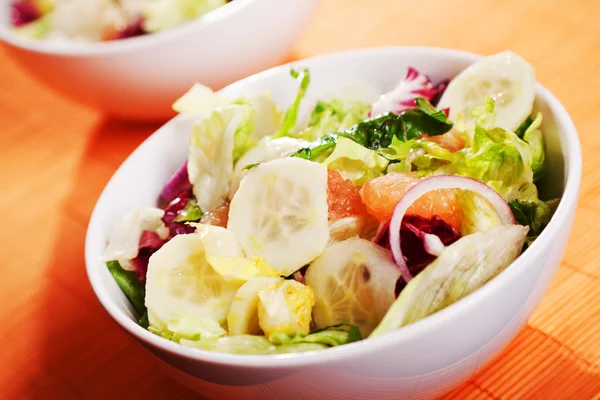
[402,97]
[150,242]
[411,235]
[173,212]
[178,183]
[23,12]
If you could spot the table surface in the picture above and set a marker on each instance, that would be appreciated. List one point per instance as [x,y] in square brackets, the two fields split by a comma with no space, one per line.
[56,156]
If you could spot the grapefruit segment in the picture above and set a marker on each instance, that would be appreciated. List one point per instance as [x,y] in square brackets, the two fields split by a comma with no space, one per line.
[381,195]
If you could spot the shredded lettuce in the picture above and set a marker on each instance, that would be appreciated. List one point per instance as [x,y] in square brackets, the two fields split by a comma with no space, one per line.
[319,149]
[277,343]
[300,347]
[420,155]
[355,162]
[535,138]
[497,157]
[530,211]
[242,344]
[37,29]
[267,117]
[190,213]
[291,115]
[330,336]
[334,116]
[376,133]
[379,132]
[189,327]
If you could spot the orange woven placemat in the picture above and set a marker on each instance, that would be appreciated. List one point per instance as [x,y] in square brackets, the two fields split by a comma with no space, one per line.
[56,156]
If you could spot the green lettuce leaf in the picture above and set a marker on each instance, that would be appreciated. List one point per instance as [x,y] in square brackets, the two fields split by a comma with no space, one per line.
[331,336]
[334,116]
[319,149]
[497,157]
[291,115]
[420,155]
[535,138]
[378,132]
[520,132]
[462,268]
[37,29]
[298,348]
[190,213]
[144,323]
[189,327]
[277,343]
[133,289]
[267,117]
[530,211]
[243,344]
[355,162]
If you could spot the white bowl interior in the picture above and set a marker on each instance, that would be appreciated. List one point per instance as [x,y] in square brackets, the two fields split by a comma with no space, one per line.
[363,74]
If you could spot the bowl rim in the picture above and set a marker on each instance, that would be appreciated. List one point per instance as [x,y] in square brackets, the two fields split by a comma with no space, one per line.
[125,45]
[571,151]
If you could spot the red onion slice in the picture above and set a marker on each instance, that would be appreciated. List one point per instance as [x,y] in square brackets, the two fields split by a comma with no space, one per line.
[381,229]
[432,245]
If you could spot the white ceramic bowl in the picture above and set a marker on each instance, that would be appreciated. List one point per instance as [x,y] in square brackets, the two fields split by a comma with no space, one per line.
[421,360]
[139,78]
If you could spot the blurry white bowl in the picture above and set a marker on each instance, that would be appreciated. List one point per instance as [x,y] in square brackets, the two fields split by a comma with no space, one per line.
[421,360]
[139,78]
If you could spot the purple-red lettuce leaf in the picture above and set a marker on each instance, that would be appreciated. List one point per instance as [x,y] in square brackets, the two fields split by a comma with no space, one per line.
[412,232]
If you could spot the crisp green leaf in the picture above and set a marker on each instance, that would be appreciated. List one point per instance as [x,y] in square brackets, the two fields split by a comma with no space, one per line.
[334,116]
[330,336]
[355,162]
[267,117]
[37,29]
[133,289]
[535,138]
[378,132]
[291,115]
[189,327]
[318,148]
[250,166]
[243,344]
[497,157]
[144,320]
[420,155]
[190,213]
[520,132]
[530,211]
[299,348]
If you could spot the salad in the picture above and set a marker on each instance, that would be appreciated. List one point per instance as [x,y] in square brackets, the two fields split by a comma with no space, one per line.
[101,20]
[282,236]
